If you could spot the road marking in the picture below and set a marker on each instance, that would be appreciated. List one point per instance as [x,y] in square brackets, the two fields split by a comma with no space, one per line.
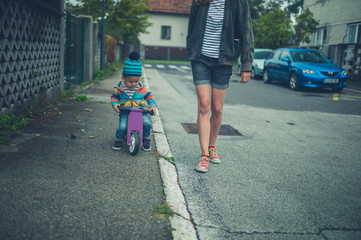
[179,68]
[172,66]
[335,97]
[186,67]
[349,96]
[352,90]
[176,68]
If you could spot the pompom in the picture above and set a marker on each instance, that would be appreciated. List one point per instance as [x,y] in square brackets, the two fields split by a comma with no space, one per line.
[134,56]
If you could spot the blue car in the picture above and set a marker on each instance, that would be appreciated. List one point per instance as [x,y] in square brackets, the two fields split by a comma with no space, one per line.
[301,67]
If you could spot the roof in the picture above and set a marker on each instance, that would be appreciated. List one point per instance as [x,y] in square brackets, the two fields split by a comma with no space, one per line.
[170,6]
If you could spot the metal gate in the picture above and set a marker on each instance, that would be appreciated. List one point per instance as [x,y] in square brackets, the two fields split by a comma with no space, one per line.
[74,51]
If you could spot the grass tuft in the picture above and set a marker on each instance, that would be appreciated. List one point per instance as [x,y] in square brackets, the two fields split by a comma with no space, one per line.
[164,209]
[10,125]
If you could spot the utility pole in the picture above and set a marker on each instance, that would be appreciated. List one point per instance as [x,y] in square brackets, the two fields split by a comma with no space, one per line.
[102,38]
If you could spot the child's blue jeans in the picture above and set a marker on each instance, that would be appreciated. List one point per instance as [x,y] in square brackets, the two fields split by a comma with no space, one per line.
[123,126]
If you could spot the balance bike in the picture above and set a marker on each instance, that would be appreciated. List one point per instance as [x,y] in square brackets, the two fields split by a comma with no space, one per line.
[135,128]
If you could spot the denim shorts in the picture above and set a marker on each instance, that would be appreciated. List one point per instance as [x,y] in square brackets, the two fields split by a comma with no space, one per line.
[208,71]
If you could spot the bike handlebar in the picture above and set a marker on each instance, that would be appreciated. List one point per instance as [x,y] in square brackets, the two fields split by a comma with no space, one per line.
[151,112]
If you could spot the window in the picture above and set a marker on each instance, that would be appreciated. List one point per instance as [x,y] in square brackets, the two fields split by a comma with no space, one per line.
[321,36]
[285,54]
[354,33]
[262,54]
[309,56]
[277,55]
[165,32]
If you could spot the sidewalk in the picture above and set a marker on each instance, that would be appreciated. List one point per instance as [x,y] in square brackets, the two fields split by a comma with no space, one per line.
[60,179]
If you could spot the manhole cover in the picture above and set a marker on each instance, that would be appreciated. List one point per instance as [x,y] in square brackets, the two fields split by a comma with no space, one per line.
[225,130]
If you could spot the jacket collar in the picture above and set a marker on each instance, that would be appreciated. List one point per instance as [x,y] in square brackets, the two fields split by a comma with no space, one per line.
[121,88]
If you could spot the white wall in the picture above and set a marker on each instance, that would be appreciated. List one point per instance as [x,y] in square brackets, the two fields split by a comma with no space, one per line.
[335,15]
[335,11]
[179,26]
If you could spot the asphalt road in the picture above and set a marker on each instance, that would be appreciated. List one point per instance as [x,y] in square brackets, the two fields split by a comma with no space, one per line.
[293,174]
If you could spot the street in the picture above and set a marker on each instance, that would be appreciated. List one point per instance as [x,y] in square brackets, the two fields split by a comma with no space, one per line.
[291,171]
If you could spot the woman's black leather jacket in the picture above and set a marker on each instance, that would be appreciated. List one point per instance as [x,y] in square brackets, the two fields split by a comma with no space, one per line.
[237,35]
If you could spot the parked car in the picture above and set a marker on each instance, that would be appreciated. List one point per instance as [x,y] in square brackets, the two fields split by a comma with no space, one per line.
[260,55]
[301,67]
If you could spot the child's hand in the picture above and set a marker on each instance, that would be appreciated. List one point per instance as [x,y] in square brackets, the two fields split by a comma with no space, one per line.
[154,110]
[116,108]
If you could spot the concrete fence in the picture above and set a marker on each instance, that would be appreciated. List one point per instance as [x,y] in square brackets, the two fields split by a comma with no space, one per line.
[30,53]
[34,54]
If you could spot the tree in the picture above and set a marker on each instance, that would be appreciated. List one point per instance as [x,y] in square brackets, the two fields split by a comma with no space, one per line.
[256,8]
[260,7]
[273,27]
[128,19]
[272,30]
[273,4]
[295,6]
[125,18]
[305,25]
[90,7]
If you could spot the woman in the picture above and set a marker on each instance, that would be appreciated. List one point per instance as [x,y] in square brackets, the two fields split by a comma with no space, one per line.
[218,32]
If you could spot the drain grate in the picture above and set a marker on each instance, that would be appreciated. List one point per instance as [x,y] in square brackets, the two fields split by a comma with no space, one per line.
[226,130]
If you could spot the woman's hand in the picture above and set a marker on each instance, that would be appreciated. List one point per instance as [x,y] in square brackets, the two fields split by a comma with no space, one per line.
[245,76]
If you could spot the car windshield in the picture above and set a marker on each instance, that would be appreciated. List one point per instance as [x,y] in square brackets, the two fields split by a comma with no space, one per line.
[261,54]
[309,56]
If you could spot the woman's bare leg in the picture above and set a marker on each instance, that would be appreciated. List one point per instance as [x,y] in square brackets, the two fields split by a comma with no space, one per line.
[218,97]
[203,122]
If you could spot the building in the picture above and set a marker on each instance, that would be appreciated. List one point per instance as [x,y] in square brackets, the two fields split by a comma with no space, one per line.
[166,38]
[338,34]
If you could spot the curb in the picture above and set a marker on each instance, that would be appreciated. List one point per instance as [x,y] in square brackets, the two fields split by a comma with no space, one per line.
[181,223]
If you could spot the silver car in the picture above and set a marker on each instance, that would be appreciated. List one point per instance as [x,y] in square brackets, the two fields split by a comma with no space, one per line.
[260,55]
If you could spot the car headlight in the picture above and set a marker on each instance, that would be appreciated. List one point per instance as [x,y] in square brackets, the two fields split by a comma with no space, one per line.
[308,71]
[344,73]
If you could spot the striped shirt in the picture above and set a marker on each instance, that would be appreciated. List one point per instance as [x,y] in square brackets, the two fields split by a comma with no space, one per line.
[214,25]
[129,91]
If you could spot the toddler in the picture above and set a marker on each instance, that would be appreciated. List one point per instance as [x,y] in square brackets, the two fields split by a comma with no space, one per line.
[130,92]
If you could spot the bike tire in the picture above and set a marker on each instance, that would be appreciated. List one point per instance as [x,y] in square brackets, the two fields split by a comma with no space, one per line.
[135,145]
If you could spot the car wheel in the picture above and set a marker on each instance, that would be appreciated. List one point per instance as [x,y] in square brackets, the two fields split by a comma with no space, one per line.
[293,81]
[253,76]
[266,78]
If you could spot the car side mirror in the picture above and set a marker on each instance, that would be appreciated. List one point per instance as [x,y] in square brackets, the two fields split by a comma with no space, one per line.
[330,60]
[285,59]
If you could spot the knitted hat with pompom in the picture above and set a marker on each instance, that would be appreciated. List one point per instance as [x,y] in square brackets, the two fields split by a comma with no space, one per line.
[132,66]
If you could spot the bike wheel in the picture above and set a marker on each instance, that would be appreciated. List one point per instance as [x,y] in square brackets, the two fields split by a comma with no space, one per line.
[135,145]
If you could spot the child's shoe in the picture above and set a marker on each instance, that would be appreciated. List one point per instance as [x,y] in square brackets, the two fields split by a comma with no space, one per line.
[146,145]
[213,155]
[203,164]
[117,145]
